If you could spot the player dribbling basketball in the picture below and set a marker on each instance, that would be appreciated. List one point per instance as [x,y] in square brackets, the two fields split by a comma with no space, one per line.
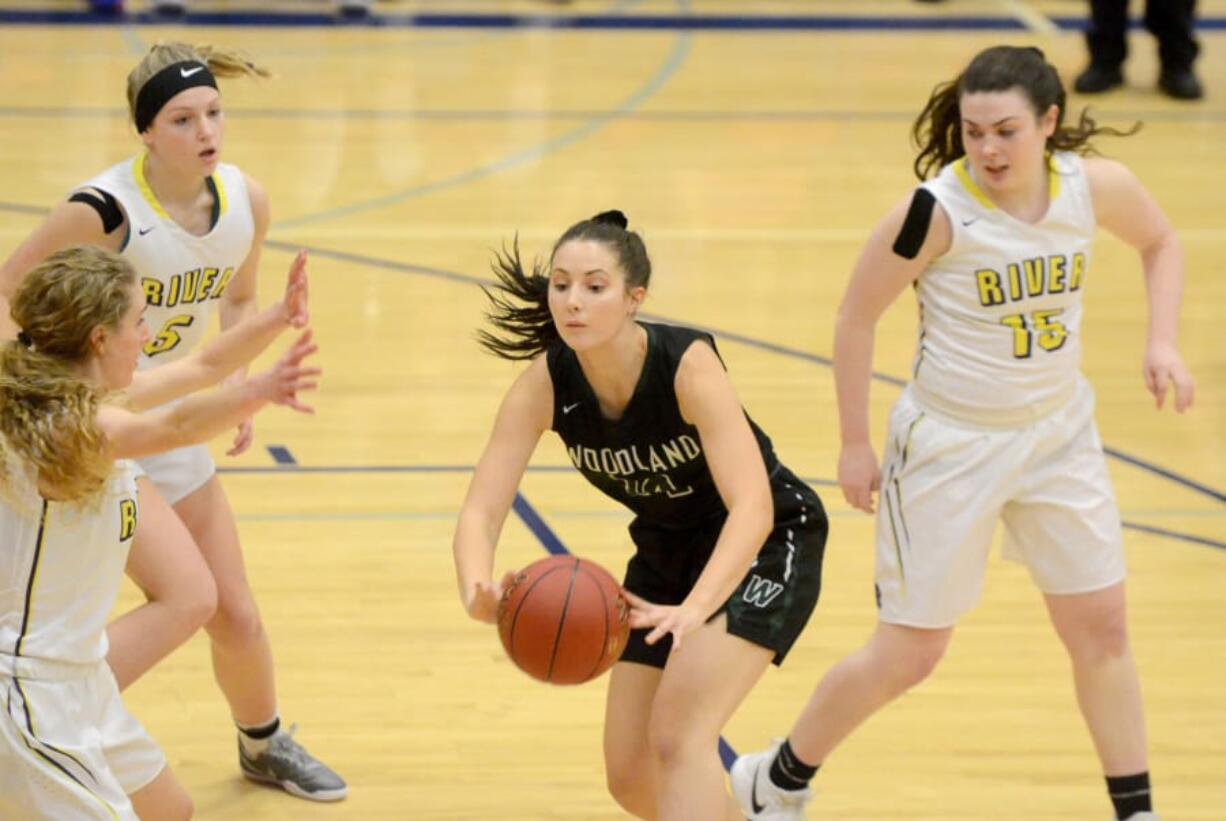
[729,543]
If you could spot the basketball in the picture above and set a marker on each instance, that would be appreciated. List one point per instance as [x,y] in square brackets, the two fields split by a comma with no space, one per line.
[563,620]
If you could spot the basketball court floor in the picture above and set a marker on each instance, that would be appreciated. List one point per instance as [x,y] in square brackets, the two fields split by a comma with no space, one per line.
[754,160]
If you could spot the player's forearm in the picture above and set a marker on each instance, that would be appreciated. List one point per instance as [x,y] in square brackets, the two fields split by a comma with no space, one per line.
[473,549]
[1163,264]
[232,311]
[853,370]
[744,532]
[202,417]
[199,418]
[241,342]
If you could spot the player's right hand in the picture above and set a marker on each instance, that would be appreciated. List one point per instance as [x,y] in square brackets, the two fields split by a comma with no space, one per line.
[859,475]
[296,293]
[483,598]
[281,383]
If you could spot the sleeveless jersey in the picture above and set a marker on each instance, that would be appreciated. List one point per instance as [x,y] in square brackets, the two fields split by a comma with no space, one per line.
[183,275]
[651,460]
[1000,311]
[61,567]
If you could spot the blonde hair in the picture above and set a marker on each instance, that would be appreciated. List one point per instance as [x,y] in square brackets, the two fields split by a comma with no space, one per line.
[221,62]
[47,410]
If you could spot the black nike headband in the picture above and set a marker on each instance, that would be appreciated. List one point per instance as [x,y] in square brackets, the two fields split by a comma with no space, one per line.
[164,85]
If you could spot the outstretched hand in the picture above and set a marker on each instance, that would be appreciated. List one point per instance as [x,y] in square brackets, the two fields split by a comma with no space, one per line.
[296,292]
[678,620]
[482,600]
[1163,368]
[281,383]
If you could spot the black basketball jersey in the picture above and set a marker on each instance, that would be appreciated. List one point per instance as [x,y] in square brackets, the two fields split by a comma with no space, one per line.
[651,459]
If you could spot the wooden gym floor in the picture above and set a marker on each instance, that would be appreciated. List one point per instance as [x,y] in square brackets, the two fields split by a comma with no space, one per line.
[754,163]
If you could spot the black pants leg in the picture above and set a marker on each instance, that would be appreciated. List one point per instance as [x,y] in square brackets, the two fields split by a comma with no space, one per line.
[1171,21]
[1107,33]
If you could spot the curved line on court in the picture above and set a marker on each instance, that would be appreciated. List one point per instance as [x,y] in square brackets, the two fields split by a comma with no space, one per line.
[676,57]
[783,350]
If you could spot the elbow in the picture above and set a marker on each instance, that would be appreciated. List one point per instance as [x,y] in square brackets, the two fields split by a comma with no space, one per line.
[850,318]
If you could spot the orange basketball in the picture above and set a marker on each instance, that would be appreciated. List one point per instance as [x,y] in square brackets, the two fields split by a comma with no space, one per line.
[563,620]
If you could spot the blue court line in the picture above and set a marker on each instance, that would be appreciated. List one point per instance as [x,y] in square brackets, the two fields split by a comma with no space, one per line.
[544,534]
[748,341]
[605,22]
[1197,114]
[281,455]
[555,546]
[1161,471]
[295,467]
[663,74]
[1172,534]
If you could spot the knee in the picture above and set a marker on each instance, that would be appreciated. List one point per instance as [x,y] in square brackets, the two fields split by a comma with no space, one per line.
[629,783]
[914,661]
[1101,638]
[200,605]
[672,741]
[237,618]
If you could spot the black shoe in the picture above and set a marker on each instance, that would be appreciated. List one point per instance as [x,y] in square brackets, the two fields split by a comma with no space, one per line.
[1098,78]
[1180,83]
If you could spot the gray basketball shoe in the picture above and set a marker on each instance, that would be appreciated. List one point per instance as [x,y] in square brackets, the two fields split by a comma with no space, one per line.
[288,765]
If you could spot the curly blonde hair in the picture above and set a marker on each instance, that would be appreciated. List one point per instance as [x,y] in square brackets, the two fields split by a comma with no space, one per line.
[47,409]
[221,62]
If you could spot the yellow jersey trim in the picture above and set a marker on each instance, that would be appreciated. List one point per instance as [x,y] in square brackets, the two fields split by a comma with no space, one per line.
[962,169]
[222,201]
[138,172]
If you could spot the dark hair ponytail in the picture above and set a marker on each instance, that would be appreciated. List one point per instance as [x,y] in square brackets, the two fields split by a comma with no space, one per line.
[529,325]
[938,129]
[519,301]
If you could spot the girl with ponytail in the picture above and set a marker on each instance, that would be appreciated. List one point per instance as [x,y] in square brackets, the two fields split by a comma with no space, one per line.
[728,542]
[997,422]
[193,227]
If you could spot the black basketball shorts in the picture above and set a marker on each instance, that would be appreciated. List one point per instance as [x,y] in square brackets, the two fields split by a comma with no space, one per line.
[773,602]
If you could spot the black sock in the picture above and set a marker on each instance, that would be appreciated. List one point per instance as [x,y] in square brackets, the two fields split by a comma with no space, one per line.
[1129,794]
[259,733]
[790,773]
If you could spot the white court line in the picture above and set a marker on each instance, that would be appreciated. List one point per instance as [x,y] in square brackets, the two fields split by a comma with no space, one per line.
[1030,17]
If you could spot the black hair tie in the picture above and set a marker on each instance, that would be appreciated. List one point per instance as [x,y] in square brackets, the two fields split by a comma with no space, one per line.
[24,339]
[613,217]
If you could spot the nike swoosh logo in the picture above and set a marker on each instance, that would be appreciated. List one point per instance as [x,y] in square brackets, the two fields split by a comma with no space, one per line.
[568,408]
[753,794]
[144,231]
[187,72]
[970,221]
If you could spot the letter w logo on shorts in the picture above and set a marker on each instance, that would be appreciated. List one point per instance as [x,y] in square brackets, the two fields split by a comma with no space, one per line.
[760,592]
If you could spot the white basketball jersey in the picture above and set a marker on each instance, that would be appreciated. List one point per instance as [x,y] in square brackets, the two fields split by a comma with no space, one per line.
[60,569]
[183,275]
[1000,312]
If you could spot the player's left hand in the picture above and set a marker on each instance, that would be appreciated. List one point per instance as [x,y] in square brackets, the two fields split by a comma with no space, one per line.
[243,437]
[1163,368]
[679,620]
